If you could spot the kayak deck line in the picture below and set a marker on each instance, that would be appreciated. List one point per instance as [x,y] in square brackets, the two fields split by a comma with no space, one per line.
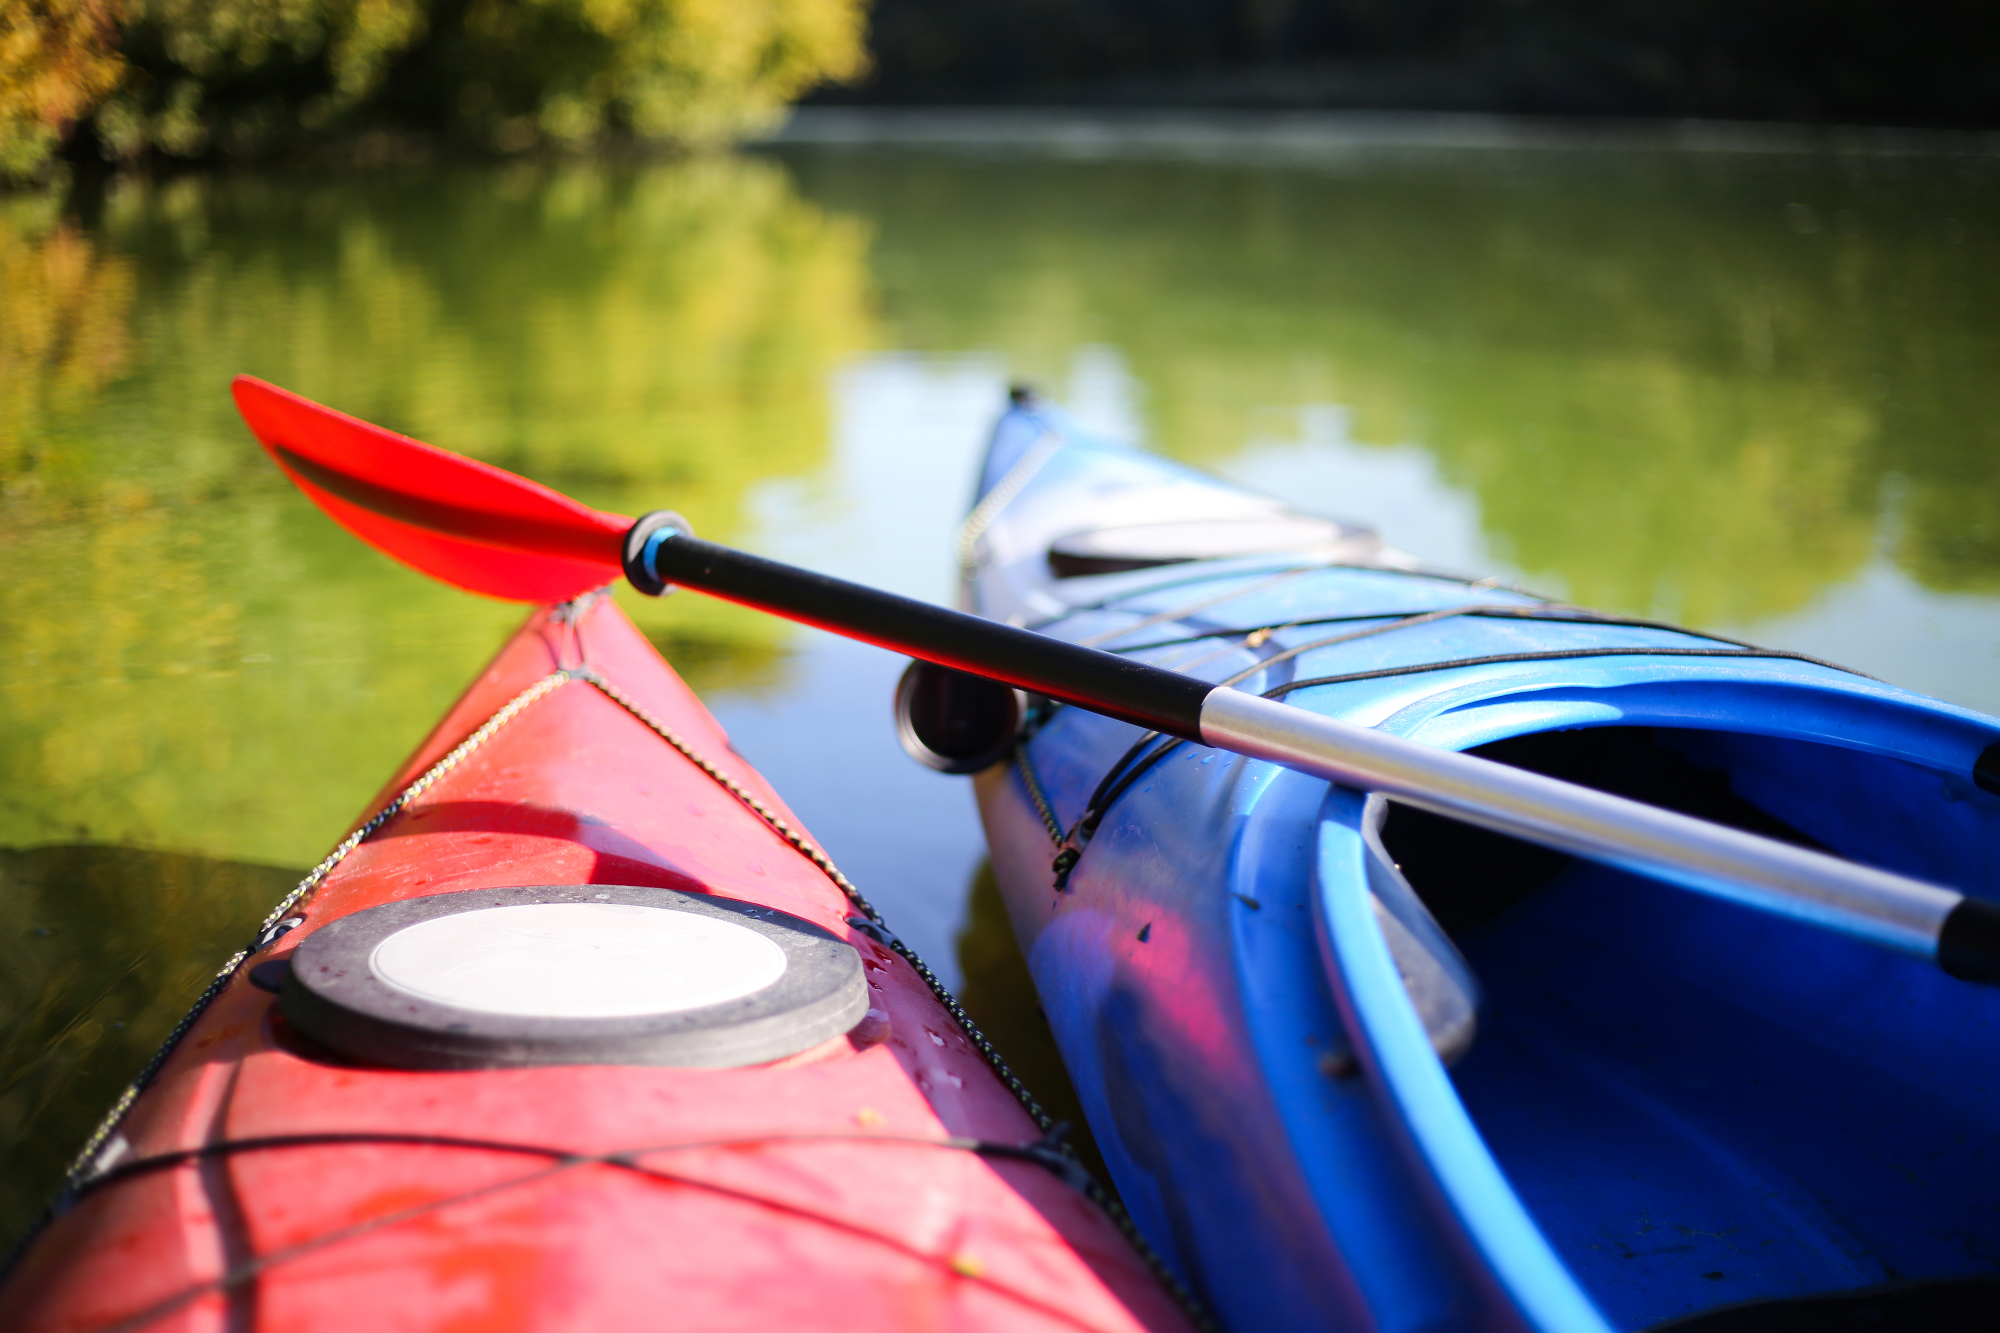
[1046,1153]
[107,1157]
[1102,799]
[1550,655]
[1256,636]
[1557,615]
[1105,794]
[966,545]
[1246,566]
[1026,764]
[1182,612]
[1129,767]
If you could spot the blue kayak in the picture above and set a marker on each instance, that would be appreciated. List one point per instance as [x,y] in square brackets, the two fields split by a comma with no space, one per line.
[1353,1065]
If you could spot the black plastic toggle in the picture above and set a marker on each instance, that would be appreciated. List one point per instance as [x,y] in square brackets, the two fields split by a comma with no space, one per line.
[1968,946]
[1986,768]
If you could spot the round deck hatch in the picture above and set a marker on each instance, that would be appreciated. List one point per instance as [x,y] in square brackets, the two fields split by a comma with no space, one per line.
[1145,545]
[572,974]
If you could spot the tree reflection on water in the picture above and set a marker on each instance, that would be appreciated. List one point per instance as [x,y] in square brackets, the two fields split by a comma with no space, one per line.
[1680,385]
[102,950]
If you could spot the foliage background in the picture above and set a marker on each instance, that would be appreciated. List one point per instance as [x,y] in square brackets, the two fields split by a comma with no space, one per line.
[1915,62]
[201,79]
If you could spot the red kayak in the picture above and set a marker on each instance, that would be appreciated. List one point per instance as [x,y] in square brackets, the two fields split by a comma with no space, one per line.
[577,1031]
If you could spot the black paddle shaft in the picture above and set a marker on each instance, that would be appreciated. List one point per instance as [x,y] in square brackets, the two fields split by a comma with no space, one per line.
[1963,936]
[660,551]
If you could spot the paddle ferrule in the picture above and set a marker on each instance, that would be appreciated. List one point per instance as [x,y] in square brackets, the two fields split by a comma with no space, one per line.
[1962,935]
[643,541]
[1099,681]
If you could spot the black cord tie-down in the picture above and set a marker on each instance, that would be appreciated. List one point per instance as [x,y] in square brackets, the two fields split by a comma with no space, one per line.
[1139,759]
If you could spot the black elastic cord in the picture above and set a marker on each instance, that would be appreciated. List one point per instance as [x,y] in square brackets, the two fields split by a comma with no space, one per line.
[1555,655]
[1034,1152]
[1046,1152]
[1492,611]
[1111,786]
[1434,575]
[1108,791]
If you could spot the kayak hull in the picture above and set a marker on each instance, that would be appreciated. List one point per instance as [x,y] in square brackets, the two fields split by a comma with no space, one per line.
[1351,1068]
[308,1190]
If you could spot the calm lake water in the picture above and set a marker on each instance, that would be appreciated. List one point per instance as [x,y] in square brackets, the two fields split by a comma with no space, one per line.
[1757,394]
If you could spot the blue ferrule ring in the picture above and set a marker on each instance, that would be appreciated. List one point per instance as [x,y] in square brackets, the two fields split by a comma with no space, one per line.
[649,554]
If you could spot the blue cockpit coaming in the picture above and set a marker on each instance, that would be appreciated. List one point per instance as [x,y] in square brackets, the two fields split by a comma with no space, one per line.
[1514,1276]
[1338,1128]
[1703,1104]
[1856,766]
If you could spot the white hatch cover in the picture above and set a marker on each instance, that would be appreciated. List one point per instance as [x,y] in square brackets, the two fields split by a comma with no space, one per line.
[572,974]
[1144,545]
[578,960]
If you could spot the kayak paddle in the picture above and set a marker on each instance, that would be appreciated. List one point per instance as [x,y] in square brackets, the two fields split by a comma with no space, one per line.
[486,530]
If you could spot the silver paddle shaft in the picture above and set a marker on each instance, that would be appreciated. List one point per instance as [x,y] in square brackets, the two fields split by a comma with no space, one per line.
[1873,905]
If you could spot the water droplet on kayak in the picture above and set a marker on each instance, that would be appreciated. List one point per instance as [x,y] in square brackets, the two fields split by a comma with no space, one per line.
[872,1030]
[1337,1064]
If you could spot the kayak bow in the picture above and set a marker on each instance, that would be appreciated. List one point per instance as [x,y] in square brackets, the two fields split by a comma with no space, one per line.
[576,1028]
[1355,1065]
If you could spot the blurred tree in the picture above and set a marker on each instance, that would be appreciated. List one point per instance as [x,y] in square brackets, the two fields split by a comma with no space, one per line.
[1869,61]
[57,61]
[236,75]
[62,322]
[511,73]
[195,79]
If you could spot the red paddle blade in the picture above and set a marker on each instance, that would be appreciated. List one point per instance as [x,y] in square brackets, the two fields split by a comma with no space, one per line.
[451,517]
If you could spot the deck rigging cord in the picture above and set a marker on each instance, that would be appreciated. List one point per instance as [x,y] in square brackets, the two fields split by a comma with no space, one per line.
[1045,1153]
[1207,603]
[1108,601]
[966,547]
[105,1150]
[1144,754]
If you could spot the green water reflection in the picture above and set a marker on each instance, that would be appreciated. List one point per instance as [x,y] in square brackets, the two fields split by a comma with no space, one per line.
[999,994]
[1700,388]
[197,660]
[91,978]
[1713,390]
